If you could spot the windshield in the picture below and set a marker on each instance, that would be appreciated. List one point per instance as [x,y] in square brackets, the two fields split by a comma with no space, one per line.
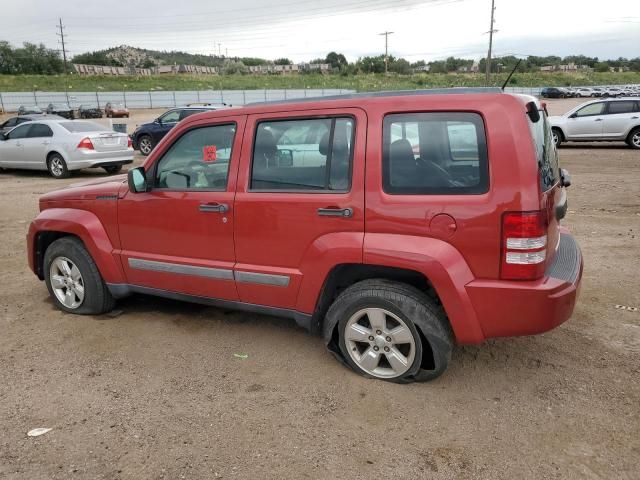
[82,127]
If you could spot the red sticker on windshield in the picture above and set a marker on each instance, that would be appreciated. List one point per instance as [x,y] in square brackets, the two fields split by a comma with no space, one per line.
[209,153]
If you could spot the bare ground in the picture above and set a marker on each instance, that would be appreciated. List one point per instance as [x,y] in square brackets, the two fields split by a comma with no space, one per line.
[157,392]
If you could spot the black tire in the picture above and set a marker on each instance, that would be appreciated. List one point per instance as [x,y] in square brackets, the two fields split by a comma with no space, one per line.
[145,144]
[558,137]
[633,140]
[113,169]
[57,166]
[97,298]
[426,321]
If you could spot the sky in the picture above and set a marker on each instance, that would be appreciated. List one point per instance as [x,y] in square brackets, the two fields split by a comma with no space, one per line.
[307,29]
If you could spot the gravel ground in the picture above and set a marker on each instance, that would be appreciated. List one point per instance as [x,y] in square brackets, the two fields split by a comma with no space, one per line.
[156,391]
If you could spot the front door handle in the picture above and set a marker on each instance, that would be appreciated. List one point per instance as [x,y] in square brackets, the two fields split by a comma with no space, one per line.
[634,118]
[214,207]
[335,212]
[598,120]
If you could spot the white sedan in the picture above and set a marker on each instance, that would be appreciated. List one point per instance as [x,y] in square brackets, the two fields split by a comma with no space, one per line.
[62,146]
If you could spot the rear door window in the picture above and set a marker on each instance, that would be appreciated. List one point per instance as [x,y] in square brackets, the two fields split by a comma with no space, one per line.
[622,107]
[435,153]
[40,130]
[306,154]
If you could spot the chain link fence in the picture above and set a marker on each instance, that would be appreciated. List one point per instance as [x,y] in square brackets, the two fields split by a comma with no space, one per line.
[11,101]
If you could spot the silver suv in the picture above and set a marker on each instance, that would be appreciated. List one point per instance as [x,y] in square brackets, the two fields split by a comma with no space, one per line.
[609,120]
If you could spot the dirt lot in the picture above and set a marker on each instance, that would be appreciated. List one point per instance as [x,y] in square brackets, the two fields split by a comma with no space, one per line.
[157,392]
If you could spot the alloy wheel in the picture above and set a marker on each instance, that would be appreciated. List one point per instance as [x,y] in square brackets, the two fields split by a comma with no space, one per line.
[57,167]
[635,139]
[66,282]
[145,146]
[380,342]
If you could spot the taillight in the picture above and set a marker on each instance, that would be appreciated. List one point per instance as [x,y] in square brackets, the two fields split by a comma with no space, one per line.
[524,245]
[86,144]
[129,142]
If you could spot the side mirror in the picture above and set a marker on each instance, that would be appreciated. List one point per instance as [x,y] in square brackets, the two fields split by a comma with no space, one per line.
[137,180]
[158,121]
[3,136]
[573,115]
[565,178]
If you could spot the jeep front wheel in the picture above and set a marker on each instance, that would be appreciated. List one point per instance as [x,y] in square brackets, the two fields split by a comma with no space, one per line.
[391,331]
[73,279]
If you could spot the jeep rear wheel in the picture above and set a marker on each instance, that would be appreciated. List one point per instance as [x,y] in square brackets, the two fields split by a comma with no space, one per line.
[73,279]
[391,331]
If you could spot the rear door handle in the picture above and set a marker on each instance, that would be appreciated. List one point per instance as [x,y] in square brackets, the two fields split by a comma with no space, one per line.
[214,207]
[634,118]
[335,212]
[598,120]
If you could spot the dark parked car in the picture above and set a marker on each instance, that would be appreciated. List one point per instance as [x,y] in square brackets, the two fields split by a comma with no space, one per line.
[30,110]
[147,135]
[15,121]
[61,109]
[553,92]
[89,111]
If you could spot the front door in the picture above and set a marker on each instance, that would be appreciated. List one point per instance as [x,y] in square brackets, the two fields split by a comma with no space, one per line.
[300,203]
[586,122]
[34,147]
[12,148]
[178,236]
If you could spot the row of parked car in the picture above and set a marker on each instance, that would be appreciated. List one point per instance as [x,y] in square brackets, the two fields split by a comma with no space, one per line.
[111,110]
[585,92]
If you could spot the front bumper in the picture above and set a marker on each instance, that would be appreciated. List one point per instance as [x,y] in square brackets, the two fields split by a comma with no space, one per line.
[512,308]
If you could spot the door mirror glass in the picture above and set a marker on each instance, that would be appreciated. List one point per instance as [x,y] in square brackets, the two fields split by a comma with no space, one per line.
[137,180]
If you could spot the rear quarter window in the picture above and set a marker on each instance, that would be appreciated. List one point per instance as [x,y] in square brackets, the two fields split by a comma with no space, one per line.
[546,153]
[434,153]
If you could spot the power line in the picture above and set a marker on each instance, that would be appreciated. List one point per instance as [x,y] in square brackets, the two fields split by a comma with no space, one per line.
[386,50]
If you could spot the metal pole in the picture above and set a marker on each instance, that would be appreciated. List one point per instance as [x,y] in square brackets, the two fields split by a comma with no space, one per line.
[198,93]
[491,30]
[150,101]
[124,98]
[221,97]
[244,97]
[98,99]
[35,99]
[174,99]
[1,103]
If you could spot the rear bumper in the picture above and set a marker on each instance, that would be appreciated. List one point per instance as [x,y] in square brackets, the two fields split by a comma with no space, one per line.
[512,308]
[91,158]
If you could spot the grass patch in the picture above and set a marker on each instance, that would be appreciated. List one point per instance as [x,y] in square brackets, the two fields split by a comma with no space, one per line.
[362,82]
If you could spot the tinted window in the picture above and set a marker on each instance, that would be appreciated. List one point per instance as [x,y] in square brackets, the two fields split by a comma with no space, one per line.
[171,117]
[546,153]
[593,109]
[622,107]
[186,113]
[39,130]
[434,153]
[198,160]
[19,132]
[82,127]
[312,154]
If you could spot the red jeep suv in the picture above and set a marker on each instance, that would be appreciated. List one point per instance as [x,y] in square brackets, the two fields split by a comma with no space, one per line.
[395,224]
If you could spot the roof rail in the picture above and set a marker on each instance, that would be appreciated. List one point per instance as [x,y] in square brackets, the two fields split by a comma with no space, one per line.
[387,93]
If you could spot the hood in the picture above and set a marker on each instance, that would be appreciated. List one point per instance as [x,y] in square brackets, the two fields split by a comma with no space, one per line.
[104,187]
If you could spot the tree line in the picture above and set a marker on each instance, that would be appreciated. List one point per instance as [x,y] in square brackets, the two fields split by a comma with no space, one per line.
[38,59]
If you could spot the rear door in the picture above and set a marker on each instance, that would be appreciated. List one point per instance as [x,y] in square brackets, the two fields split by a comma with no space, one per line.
[619,118]
[300,202]
[587,122]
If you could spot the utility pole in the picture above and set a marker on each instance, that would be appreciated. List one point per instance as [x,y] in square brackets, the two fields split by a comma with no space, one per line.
[386,50]
[491,32]
[64,50]
[219,49]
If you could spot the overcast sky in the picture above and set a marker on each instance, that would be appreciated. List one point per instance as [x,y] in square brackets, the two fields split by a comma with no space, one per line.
[306,29]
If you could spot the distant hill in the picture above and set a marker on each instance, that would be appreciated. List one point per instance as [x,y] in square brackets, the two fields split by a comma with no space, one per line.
[126,56]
